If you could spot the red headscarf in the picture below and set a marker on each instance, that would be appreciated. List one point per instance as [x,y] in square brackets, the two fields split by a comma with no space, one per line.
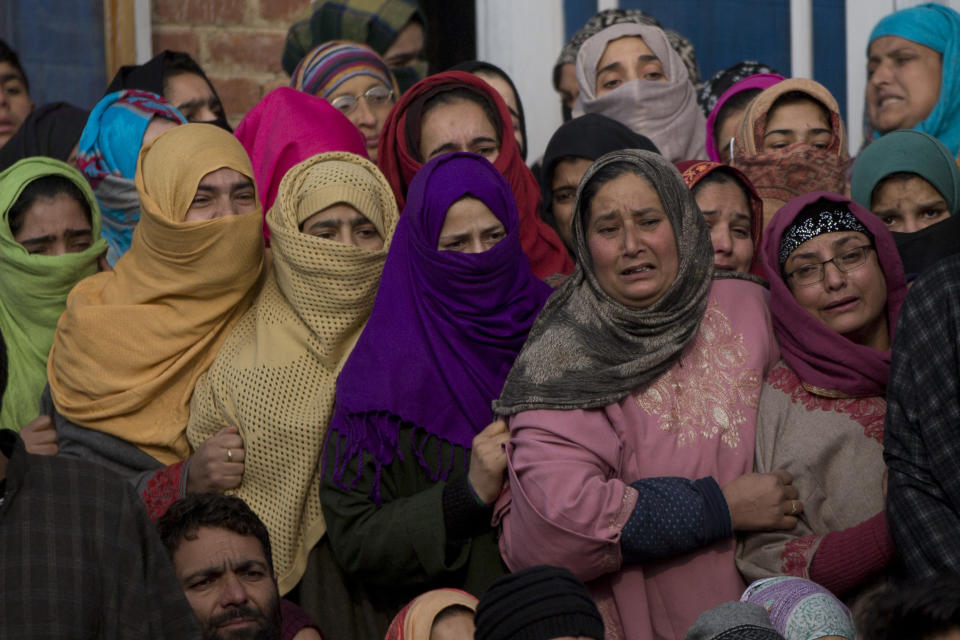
[540,243]
[286,128]
[695,171]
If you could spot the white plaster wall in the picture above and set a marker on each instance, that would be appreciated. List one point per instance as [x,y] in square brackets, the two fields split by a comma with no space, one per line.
[143,26]
[524,38]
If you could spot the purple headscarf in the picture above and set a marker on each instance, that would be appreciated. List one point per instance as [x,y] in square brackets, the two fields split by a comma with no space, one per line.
[445,327]
[820,356]
[758,81]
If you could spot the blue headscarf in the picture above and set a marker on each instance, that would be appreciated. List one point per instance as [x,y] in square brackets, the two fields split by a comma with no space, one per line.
[107,157]
[937,27]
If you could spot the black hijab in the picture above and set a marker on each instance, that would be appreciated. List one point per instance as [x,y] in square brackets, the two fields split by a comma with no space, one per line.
[589,136]
[921,249]
[477,66]
[51,130]
[149,76]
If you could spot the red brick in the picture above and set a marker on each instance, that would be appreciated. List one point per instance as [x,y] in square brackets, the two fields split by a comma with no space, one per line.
[282,10]
[254,50]
[176,40]
[196,12]
[238,94]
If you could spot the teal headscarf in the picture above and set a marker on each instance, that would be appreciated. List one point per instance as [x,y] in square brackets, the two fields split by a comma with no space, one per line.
[906,151]
[107,155]
[34,288]
[937,27]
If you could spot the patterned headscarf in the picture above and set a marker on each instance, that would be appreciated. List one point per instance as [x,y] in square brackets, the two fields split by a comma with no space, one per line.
[780,175]
[800,609]
[331,64]
[279,365]
[711,90]
[938,27]
[107,155]
[372,22]
[563,365]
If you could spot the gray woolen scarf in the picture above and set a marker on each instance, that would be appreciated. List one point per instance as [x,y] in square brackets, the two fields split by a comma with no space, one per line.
[666,112]
[586,349]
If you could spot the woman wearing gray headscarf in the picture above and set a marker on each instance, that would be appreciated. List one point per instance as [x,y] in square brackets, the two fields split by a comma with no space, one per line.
[564,70]
[630,73]
[632,410]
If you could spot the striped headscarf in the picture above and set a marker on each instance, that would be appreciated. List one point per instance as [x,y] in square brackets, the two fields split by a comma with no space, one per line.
[332,63]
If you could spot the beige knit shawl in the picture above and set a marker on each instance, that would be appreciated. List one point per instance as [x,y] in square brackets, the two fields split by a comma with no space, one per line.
[275,375]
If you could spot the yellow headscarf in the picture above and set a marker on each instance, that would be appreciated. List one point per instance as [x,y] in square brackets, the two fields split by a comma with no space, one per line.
[276,373]
[132,342]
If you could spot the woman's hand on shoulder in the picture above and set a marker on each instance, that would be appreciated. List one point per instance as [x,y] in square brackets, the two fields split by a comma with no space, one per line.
[488,460]
[40,437]
[763,501]
[217,465]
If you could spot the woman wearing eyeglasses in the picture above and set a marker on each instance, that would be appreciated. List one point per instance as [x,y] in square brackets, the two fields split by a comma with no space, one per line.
[836,287]
[355,80]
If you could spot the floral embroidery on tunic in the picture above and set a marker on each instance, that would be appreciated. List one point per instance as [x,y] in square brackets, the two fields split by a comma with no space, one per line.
[869,411]
[705,394]
[797,555]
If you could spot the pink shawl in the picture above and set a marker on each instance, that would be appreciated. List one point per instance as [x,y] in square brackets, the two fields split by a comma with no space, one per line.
[757,81]
[820,356]
[286,128]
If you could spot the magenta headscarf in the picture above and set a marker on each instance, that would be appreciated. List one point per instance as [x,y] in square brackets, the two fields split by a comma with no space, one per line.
[286,128]
[445,327]
[817,354]
[758,81]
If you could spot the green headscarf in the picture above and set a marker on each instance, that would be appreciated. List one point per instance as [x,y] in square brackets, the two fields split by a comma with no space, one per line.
[906,151]
[33,290]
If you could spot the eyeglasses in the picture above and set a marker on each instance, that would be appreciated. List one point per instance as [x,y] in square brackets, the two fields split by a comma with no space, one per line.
[847,261]
[375,97]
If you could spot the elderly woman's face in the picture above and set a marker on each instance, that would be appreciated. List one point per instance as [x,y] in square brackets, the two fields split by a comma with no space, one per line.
[627,59]
[631,241]
[369,112]
[852,302]
[903,82]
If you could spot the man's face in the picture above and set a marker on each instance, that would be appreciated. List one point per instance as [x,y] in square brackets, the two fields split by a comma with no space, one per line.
[227,579]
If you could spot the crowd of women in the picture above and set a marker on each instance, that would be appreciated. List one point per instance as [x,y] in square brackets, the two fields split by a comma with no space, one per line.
[676,358]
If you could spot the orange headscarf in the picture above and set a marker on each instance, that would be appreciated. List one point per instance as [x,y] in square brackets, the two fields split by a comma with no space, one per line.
[132,342]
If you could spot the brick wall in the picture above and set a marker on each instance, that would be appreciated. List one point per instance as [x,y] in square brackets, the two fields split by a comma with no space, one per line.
[237,42]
